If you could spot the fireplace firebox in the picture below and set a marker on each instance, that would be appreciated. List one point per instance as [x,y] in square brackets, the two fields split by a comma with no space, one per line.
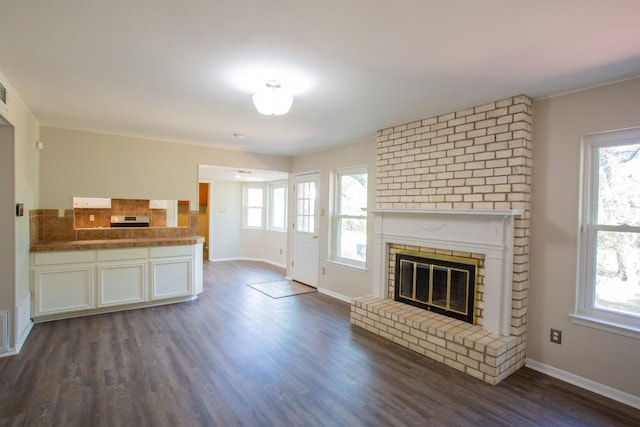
[439,283]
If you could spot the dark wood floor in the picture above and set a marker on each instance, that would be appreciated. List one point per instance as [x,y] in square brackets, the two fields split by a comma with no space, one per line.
[237,357]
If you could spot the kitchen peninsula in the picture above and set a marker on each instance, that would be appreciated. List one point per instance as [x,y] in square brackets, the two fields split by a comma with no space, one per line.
[83,271]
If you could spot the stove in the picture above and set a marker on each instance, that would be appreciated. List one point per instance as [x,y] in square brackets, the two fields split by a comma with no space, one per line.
[121,221]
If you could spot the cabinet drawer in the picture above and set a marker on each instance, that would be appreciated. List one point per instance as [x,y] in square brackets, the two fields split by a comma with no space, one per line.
[122,254]
[169,251]
[69,257]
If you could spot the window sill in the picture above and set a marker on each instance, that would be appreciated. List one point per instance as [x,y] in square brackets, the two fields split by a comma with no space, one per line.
[349,266]
[603,325]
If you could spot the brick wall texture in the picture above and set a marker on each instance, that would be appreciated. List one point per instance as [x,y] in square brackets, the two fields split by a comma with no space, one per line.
[476,158]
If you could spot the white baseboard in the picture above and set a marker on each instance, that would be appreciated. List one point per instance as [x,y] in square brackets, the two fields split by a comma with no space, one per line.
[335,295]
[249,259]
[23,337]
[12,352]
[587,384]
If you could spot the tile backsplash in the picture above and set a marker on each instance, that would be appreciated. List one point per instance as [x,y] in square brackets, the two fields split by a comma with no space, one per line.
[55,225]
[102,217]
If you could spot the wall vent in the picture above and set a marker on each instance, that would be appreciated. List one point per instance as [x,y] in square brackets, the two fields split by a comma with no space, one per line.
[4,331]
[3,94]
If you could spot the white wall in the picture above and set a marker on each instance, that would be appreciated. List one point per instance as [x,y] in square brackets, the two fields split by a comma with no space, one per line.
[229,240]
[89,164]
[226,208]
[339,279]
[264,245]
[559,124]
[14,267]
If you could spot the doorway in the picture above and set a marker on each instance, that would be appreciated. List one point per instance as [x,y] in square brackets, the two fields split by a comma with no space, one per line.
[203,215]
[7,237]
[306,244]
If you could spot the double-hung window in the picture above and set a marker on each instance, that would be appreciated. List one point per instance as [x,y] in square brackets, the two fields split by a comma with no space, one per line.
[278,206]
[609,262]
[349,222]
[253,212]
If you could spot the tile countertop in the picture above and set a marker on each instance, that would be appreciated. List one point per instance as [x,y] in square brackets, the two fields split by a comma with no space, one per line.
[79,245]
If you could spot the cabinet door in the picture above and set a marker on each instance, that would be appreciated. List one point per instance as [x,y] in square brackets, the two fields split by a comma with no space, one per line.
[63,289]
[120,283]
[92,202]
[171,278]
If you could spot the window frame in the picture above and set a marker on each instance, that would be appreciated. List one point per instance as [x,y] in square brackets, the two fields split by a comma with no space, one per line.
[245,206]
[270,202]
[336,217]
[585,312]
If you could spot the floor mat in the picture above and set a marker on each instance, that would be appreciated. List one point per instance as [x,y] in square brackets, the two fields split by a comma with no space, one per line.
[282,288]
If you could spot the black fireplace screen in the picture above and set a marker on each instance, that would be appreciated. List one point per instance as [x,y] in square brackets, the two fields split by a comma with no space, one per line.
[439,283]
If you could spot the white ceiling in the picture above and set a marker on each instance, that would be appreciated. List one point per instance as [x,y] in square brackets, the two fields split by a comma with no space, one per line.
[185,70]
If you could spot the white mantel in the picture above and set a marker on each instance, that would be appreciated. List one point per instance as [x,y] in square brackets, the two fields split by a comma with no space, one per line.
[487,232]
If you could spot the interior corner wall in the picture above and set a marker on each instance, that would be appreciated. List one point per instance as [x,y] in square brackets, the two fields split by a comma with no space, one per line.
[338,279]
[15,294]
[91,164]
[603,357]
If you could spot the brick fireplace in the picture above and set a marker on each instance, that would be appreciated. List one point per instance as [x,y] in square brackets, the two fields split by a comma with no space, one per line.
[457,184]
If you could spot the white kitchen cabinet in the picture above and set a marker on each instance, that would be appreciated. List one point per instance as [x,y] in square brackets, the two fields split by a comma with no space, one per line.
[122,283]
[81,282]
[171,278]
[122,276]
[158,204]
[63,288]
[63,282]
[171,271]
[92,202]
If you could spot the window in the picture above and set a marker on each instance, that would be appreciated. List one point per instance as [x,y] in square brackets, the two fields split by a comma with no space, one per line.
[609,263]
[306,207]
[278,206]
[253,206]
[257,197]
[349,234]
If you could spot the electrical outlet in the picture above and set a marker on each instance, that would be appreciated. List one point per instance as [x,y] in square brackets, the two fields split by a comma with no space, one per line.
[281,251]
[322,271]
[556,336]
[92,218]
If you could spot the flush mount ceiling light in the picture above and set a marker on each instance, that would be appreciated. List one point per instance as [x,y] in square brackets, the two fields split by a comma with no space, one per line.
[273,100]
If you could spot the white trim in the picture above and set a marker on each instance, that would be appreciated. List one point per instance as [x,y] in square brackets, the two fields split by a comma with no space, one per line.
[490,233]
[24,337]
[353,267]
[248,259]
[616,328]
[585,312]
[270,204]
[337,216]
[5,337]
[479,212]
[11,352]
[335,295]
[245,206]
[585,383]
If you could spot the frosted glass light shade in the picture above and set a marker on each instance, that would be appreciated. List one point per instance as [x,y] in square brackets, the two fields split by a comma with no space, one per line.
[272,101]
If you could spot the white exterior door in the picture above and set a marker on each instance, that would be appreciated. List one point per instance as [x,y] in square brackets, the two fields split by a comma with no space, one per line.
[306,244]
